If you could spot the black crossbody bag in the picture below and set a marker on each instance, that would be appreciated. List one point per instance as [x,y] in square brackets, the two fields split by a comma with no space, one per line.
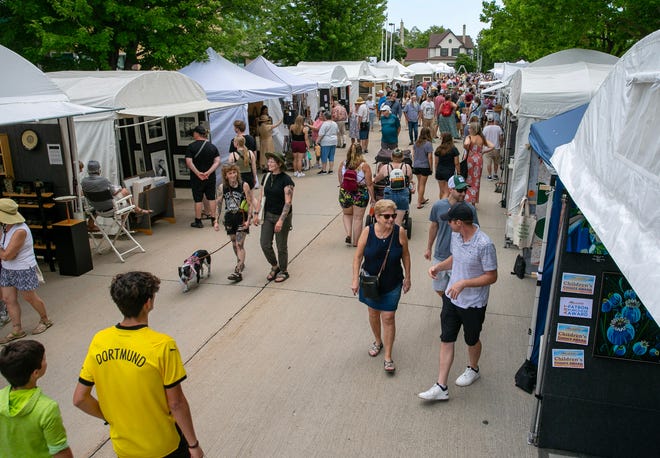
[370,284]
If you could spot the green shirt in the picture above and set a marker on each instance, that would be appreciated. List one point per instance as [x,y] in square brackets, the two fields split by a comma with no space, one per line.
[30,424]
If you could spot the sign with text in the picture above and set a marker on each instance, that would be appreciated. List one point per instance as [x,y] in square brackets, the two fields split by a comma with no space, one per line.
[575,307]
[572,334]
[577,283]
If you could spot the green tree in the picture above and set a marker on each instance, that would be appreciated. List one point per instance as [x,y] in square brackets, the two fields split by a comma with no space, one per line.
[467,62]
[530,29]
[166,34]
[325,31]
[414,38]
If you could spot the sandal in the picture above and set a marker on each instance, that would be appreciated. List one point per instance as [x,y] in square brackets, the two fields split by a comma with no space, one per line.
[389,366]
[375,349]
[273,272]
[42,326]
[283,275]
[12,336]
[235,276]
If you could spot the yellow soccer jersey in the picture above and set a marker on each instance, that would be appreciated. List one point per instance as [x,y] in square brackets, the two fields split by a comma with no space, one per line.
[131,368]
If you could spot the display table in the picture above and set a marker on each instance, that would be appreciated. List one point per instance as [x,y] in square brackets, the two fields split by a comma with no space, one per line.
[72,251]
[159,200]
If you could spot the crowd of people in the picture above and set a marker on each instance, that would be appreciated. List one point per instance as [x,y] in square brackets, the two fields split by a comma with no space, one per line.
[153,418]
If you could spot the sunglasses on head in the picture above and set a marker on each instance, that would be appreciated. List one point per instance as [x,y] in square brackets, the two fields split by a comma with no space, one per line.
[388,215]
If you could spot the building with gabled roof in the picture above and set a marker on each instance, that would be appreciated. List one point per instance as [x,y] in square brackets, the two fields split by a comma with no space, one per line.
[443,47]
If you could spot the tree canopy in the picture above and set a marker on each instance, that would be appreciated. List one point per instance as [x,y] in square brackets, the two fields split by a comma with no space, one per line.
[416,38]
[530,29]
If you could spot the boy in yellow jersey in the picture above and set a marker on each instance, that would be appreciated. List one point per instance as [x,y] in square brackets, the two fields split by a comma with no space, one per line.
[138,374]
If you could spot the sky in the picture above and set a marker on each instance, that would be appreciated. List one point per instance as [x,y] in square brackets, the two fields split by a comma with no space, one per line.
[451,14]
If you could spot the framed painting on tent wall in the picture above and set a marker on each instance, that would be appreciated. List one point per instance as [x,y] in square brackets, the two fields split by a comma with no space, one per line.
[159,164]
[181,170]
[140,165]
[184,128]
[155,131]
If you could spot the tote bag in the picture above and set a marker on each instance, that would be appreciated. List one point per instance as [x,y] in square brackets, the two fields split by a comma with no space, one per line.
[523,226]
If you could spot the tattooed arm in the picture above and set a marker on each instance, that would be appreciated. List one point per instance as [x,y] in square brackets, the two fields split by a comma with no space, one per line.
[288,198]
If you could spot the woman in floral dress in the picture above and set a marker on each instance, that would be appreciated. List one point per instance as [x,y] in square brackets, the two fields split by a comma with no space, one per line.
[476,145]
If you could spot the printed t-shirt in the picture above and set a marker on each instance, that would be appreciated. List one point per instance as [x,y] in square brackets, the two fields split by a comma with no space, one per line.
[131,368]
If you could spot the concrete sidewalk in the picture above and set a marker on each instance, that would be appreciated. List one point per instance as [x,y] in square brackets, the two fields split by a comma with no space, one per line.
[282,369]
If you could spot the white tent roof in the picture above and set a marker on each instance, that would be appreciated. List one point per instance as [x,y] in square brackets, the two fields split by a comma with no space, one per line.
[145,93]
[266,69]
[384,73]
[543,92]
[612,171]
[422,68]
[355,70]
[226,82]
[441,67]
[27,95]
[326,77]
[403,70]
[569,56]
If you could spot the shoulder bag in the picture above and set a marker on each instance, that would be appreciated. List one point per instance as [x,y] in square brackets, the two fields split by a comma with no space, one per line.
[370,284]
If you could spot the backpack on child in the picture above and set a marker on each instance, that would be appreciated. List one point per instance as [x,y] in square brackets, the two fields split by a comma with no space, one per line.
[398,179]
[349,181]
[446,109]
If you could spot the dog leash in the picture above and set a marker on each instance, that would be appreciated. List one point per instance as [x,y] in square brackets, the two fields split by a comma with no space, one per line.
[212,252]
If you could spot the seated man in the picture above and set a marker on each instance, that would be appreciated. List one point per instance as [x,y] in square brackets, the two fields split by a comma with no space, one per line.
[94,182]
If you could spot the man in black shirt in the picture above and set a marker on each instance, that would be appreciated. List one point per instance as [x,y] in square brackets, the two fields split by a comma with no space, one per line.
[202,158]
[250,142]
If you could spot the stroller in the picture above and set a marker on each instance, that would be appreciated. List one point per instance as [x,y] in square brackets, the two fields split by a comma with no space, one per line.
[383,157]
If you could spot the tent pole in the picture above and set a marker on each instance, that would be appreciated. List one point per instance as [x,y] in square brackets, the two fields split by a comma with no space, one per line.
[532,437]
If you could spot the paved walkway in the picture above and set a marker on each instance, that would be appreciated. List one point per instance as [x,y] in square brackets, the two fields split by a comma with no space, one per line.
[282,369]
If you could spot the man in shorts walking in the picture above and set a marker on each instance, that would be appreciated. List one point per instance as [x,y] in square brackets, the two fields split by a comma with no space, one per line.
[473,264]
[138,374]
[440,232]
[202,158]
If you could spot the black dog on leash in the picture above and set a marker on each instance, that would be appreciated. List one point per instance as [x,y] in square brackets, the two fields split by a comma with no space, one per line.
[194,267]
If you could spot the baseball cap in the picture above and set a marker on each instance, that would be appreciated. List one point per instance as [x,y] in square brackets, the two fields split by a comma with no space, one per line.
[459,211]
[201,130]
[93,166]
[457,182]
[386,108]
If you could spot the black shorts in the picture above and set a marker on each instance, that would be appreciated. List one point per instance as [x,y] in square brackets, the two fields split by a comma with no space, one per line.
[424,171]
[234,222]
[452,317]
[201,189]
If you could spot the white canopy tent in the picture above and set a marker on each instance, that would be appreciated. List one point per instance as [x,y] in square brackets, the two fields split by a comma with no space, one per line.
[224,81]
[612,171]
[421,68]
[403,70]
[356,71]
[154,94]
[442,67]
[325,76]
[266,69]
[537,93]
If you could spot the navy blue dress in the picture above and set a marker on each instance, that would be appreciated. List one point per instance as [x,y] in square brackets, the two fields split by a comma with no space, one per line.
[391,279]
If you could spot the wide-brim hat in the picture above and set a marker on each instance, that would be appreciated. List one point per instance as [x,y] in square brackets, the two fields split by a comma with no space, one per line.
[497,108]
[9,212]
[279,157]
[359,101]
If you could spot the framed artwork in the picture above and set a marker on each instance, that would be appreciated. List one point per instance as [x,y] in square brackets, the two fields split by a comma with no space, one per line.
[181,170]
[155,131]
[136,127]
[625,329]
[184,128]
[140,165]
[159,164]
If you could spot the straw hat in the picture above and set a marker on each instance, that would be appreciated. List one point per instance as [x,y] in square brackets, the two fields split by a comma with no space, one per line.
[9,212]
[359,101]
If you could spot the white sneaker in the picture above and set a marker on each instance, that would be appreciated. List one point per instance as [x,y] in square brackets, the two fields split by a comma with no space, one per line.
[468,377]
[301,174]
[435,393]
[296,174]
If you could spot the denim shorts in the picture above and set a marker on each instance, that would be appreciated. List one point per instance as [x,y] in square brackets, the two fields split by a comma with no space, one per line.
[401,197]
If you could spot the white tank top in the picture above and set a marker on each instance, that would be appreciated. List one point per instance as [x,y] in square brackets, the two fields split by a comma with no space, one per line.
[25,257]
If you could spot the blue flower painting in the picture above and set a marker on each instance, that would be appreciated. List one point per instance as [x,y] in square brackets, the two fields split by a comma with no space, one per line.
[625,328]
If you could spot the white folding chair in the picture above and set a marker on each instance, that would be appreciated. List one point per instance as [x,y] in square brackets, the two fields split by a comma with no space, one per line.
[118,214]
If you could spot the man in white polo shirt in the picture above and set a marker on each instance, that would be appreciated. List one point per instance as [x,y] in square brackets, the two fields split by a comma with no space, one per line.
[473,264]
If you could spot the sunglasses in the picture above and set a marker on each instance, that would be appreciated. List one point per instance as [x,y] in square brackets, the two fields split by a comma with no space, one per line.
[388,215]
[461,190]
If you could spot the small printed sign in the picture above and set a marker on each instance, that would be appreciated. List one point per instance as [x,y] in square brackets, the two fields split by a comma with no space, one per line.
[572,334]
[577,283]
[567,359]
[575,307]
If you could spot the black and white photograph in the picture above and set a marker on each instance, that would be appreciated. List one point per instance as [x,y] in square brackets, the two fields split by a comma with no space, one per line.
[181,170]
[140,165]
[184,128]
[155,131]
[159,164]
